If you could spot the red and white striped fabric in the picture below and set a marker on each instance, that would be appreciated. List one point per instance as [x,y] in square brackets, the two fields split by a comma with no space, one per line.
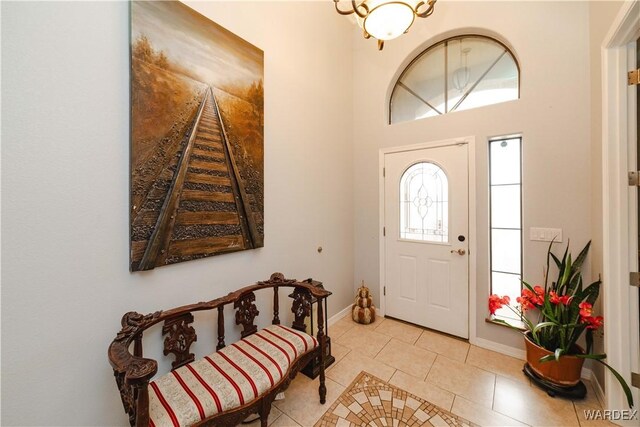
[231,377]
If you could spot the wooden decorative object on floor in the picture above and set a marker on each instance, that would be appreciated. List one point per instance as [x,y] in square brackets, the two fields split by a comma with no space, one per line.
[372,401]
[363,311]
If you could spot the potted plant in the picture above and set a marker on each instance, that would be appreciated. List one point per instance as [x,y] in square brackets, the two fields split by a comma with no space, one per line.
[564,313]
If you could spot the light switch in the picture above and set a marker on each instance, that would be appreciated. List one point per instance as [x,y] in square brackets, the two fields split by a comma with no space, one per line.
[545,234]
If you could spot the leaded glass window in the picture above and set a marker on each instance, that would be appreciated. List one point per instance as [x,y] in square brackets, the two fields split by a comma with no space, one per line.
[459,73]
[424,203]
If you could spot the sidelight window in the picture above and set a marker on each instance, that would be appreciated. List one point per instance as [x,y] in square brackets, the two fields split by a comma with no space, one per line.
[505,158]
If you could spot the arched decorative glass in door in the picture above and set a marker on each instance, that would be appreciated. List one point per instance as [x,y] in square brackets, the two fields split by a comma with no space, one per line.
[424,203]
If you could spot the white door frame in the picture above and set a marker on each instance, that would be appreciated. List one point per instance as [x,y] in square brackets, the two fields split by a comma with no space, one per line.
[471,156]
[619,204]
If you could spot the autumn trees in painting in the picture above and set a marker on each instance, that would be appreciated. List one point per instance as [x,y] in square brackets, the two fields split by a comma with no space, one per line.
[197,120]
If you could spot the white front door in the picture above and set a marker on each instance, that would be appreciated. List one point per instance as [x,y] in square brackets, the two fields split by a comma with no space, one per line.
[426,243]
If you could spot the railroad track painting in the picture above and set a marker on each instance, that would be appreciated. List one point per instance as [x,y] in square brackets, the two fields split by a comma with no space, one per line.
[197,144]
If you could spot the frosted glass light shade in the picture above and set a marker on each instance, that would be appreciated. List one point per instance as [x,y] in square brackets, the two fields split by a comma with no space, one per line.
[389,20]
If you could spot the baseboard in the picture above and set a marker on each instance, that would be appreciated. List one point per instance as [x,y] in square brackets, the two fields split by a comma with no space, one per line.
[597,387]
[500,348]
[339,315]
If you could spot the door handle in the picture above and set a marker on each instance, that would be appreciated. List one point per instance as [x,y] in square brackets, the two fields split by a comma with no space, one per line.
[458,251]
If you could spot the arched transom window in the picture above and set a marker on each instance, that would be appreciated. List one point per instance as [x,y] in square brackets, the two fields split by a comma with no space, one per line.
[424,203]
[456,74]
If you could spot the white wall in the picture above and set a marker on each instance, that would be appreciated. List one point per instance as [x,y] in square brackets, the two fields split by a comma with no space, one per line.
[65,134]
[551,42]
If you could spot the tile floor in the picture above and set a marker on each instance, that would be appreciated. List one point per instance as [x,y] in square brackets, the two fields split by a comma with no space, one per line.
[480,385]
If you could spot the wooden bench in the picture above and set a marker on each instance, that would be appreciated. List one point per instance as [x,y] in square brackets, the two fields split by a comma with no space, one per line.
[230,384]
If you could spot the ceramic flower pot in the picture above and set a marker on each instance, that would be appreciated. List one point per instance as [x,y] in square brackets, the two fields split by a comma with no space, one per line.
[565,372]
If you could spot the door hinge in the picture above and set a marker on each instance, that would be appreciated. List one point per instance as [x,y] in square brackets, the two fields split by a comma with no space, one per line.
[635,379]
[634,77]
[384,231]
[634,279]
[634,178]
[384,172]
[384,291]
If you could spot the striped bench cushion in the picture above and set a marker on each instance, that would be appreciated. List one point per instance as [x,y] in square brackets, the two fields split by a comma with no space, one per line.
[231,377]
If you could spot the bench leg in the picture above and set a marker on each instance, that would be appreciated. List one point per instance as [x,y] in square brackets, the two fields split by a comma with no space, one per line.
[264,412]
[323,388]
[323,391]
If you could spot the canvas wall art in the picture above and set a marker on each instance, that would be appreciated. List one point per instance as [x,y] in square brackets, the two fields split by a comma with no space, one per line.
[197,137]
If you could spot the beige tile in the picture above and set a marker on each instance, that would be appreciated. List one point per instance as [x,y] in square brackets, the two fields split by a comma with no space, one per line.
[302,401]
[284,421]
[581,412]
[345,371]
[445,345]
[371,326]
[531,405]
[467,381]
[364,341]
[428,392]
[340,327]
[274,414]
[497,363]
[481,415]
[589,403]
[591,400]
[399,330]
[406,357]
[338,351]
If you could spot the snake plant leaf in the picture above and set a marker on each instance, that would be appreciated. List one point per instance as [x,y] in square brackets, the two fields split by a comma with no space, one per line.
[598,358]
[582,256]
[527,285]
[590,293]
[543,325]
[551,357]
[547,358]
[589,338]
[549,255]
[565,274]
[601,356]
[556,260]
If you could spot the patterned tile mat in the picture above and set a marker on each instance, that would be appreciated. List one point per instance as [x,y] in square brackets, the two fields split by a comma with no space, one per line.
[369,401]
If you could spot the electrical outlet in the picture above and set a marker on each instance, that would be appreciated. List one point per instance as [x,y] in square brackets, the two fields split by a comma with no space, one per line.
[545,234]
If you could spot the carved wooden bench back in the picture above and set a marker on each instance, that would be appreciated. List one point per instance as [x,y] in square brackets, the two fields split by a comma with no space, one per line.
[133,372]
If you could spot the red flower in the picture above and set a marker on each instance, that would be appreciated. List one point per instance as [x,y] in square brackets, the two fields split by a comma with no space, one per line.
[530,299]
[539,296]
[566,299]
[585,309]
[554,298]
[496,302]
[525,303]
[593,322]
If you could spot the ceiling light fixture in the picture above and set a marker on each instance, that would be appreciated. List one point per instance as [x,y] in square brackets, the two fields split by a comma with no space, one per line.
[387,19]
[462,75]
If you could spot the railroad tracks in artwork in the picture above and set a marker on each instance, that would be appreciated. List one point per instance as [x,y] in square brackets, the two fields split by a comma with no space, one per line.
[206,209]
